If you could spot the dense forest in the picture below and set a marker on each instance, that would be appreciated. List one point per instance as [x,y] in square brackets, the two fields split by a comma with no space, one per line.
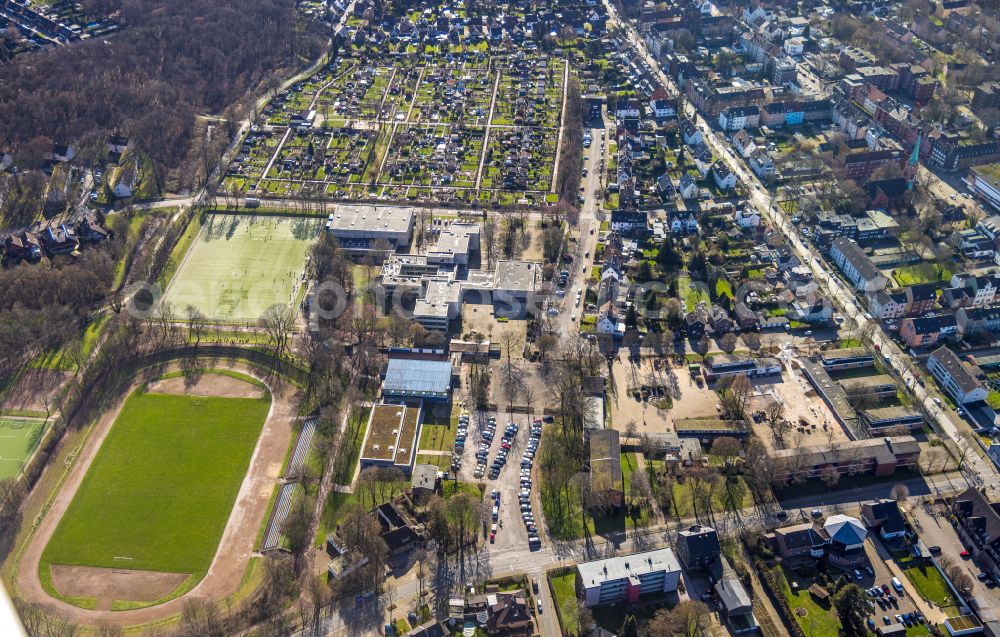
[173,61]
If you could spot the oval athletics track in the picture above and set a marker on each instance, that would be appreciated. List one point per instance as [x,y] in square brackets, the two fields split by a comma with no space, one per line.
[235,548]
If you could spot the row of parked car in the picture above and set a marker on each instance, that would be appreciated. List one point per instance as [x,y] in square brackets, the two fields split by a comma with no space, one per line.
[524,496]
[484,447]
[460,435]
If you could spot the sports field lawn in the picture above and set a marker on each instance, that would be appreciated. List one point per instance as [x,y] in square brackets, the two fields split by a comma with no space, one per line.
[17,440]
[242,264]
[162,486]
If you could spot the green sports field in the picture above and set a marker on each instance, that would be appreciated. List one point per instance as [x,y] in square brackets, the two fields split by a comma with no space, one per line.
[17,440]
[162,486]
[242,264]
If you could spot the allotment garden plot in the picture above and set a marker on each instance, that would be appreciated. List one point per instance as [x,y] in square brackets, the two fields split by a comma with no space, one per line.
[160,490]
[242,264]
[469,127]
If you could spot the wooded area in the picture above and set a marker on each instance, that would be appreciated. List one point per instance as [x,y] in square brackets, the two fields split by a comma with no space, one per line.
[172,62]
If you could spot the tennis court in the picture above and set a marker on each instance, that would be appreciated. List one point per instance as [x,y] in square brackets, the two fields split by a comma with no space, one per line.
[242,264]
[18,438]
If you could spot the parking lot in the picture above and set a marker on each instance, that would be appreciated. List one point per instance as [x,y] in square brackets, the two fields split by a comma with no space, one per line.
[891,605]
[501,455]
[935,530]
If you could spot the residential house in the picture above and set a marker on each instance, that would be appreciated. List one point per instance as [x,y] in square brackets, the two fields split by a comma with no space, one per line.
[979,528]
[888,305]
[508,615]
[761,164]
[746,217]
[59,240]
[665,187]
[25,246]
[609,320]
[975,320]
[926,331]
[856,265]
[739,118]
[695,323]
[815,310]
[743,143]
[745,318]
[698,547]
[885,517]
[690,133]
[629,221]
[981,290]
[62,153]
[628,579]
[719,320]
[920,298]
[687,188]
[725,179]
[663,108]
[798,543]
[398,533]
[90,230]
[953,376]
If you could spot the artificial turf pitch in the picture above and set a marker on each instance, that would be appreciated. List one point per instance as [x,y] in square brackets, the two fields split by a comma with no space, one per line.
[162,486]
[17,437]
[242,264]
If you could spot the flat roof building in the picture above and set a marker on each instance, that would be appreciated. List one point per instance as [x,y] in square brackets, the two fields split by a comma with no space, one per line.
[732,365]
[606,482]
[391,438]
[356,225]
[627,578]
[417,378]
[883,418]
[881,456]
[849,358]
[455,243]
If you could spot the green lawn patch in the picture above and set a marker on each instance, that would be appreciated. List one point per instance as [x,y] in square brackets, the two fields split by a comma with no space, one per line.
[161,488]
[564,594]
[816,620]
[921,273]
[450,488]
[994,399]
[929,583]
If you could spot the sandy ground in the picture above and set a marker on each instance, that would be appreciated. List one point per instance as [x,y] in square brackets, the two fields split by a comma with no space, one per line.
[207,385]
[34,389]
[802,403]
[689,399]
[237,543]
[109,584]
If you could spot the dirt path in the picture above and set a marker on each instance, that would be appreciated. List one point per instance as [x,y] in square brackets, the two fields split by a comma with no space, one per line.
[235,548]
